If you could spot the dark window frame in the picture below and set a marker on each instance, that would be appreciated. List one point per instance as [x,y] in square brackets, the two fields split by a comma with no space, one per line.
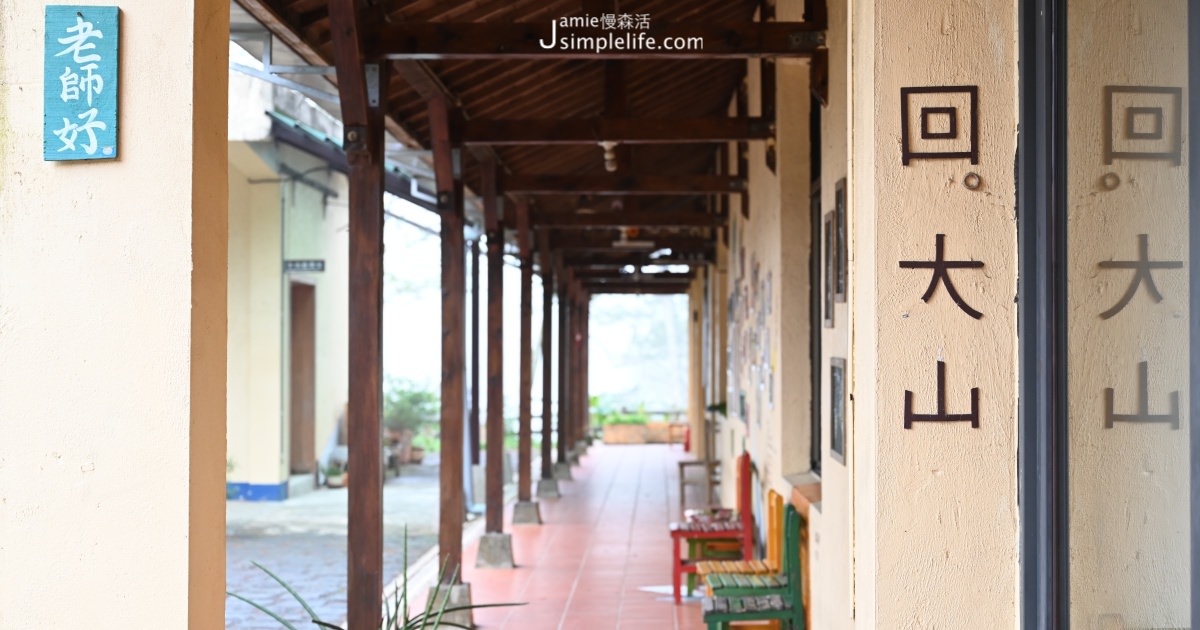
[1043,457]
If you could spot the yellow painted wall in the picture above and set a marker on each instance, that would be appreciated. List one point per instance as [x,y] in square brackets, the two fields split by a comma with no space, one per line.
[256,306]
[112,336]
[944,496]
[1129,483]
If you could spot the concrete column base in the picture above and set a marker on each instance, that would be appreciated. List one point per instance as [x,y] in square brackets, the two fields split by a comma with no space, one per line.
[451,596]
[562,471]
[548,489]
[573,457]
[527,512]
[495,551]
[581,447]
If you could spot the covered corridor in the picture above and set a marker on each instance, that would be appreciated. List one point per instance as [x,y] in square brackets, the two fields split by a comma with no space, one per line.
[602,557]
[937,258]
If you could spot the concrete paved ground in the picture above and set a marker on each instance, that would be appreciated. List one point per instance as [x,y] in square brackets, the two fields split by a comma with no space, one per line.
[303,540]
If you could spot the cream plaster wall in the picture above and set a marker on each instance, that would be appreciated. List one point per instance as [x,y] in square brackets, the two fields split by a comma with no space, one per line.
[1128,484]
[256,441]
[112,329]
[333,315]
[944,494]
[864,363]
[767,272]
[831,532]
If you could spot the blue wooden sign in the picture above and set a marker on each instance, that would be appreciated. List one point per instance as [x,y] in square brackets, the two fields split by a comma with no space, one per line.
[80,113]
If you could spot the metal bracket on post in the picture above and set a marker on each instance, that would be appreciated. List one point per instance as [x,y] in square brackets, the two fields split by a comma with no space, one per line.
[372,75]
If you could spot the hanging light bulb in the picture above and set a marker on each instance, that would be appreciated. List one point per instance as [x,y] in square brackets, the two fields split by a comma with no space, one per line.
[610,155]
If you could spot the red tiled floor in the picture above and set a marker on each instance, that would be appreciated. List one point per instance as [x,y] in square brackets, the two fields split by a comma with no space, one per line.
[602,542]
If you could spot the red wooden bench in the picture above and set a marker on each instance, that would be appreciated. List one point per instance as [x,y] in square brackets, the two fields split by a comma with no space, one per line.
[705,533]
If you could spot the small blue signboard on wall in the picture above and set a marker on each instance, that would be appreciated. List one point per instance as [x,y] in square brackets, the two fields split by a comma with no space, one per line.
[80,114]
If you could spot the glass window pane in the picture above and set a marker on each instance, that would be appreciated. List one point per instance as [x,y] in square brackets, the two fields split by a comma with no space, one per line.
[1128,329]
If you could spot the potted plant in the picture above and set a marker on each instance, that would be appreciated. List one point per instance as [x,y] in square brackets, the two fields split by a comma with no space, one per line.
[335,474]
[406,410]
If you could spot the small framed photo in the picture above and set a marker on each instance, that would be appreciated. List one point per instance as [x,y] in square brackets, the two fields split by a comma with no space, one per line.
[837,409]
[841,266]
[830,259]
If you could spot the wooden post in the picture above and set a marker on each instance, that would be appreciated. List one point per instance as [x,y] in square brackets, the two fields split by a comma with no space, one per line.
[495,365]
[564,377]
[363,118]
[474,393]
[585,421]
[743,148]
[525,437]
[577,368]
[450,205]
[547,357]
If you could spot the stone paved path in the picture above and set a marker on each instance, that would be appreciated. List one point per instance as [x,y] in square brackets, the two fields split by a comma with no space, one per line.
[303,540]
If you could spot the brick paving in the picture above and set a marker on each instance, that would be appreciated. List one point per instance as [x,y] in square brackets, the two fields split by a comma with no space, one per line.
[303,540]
[602,558]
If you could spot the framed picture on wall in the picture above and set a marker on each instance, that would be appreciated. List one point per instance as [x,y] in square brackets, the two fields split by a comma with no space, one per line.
[830,260]
[837,409]
[841,271]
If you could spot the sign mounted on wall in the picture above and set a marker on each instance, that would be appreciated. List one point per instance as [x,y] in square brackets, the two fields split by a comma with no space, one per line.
[80,98]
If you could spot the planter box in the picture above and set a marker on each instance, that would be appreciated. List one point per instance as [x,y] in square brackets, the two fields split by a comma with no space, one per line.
[658,432]
[624,434]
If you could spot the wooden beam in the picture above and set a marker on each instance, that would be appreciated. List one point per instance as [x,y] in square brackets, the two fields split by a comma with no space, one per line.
[547,343]
[643,281]
[516,131]
[494,517]
[280,28]
[646,279]
[524,404]
[547,40]
[603,274]
[363,118]
[642,290]
[625,218]
[613,184]
[621,259]
[605,239]
[450,203]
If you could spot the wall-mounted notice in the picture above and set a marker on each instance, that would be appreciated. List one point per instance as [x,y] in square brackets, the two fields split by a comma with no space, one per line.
[80,98]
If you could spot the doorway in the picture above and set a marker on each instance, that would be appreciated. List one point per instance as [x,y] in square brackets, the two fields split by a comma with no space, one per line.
[302,370]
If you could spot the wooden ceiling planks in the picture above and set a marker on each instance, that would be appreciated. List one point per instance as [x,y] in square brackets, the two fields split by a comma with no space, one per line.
[553,89]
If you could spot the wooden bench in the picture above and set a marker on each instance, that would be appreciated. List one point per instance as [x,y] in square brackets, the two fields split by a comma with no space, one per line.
[706,536]
[763,597]
[716,572]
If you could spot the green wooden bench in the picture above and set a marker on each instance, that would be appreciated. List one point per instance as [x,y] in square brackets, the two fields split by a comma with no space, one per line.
[742,597]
